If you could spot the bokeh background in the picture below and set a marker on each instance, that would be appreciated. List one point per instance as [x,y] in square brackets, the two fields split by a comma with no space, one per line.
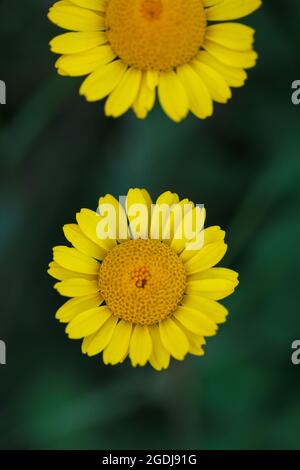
[58,154]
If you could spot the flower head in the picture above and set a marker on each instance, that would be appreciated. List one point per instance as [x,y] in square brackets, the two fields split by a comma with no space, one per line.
[141,279]
[129,49]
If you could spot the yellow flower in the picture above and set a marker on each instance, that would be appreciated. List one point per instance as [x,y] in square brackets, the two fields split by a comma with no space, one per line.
[142,283]
[130,48]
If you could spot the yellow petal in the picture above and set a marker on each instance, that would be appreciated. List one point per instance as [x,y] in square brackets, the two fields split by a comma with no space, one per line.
[215,289]
[213,234]
[73,43]
[88,222]
[196,348]
[210,235]
[234,76]
[240,59]
[161,215]
[173,339]
[215,311]
[152,77]
[98,5]
[207,257]
[217,86]
[200,101]
[172,96]
[73,18]
[83,63]
[117,350]
[83,244]
[138,209]
[140,347]
[86,342]
[232,35]
[145,99]
[216,273]
[73,307]
[103,81]
[147,198]
[160,358]
[86,323]
[210,3]
[125,93]
[195,321]
[110,207]
[60,273]
[76,287]
[99,340]
[195,342]
[72,259]
[190,237]
[174,224]
[232,9]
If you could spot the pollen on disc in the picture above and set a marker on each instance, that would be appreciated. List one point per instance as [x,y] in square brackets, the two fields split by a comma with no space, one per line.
[142,281]
[156,34]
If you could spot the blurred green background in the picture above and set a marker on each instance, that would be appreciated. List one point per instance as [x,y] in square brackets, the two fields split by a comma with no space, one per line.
[58,154]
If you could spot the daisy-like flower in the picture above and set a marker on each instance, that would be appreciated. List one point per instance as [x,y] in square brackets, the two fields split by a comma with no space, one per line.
[131,48]
[151,293]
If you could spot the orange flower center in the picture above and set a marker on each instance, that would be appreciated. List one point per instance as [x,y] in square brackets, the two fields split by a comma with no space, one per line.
[142,281]
[156,34]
